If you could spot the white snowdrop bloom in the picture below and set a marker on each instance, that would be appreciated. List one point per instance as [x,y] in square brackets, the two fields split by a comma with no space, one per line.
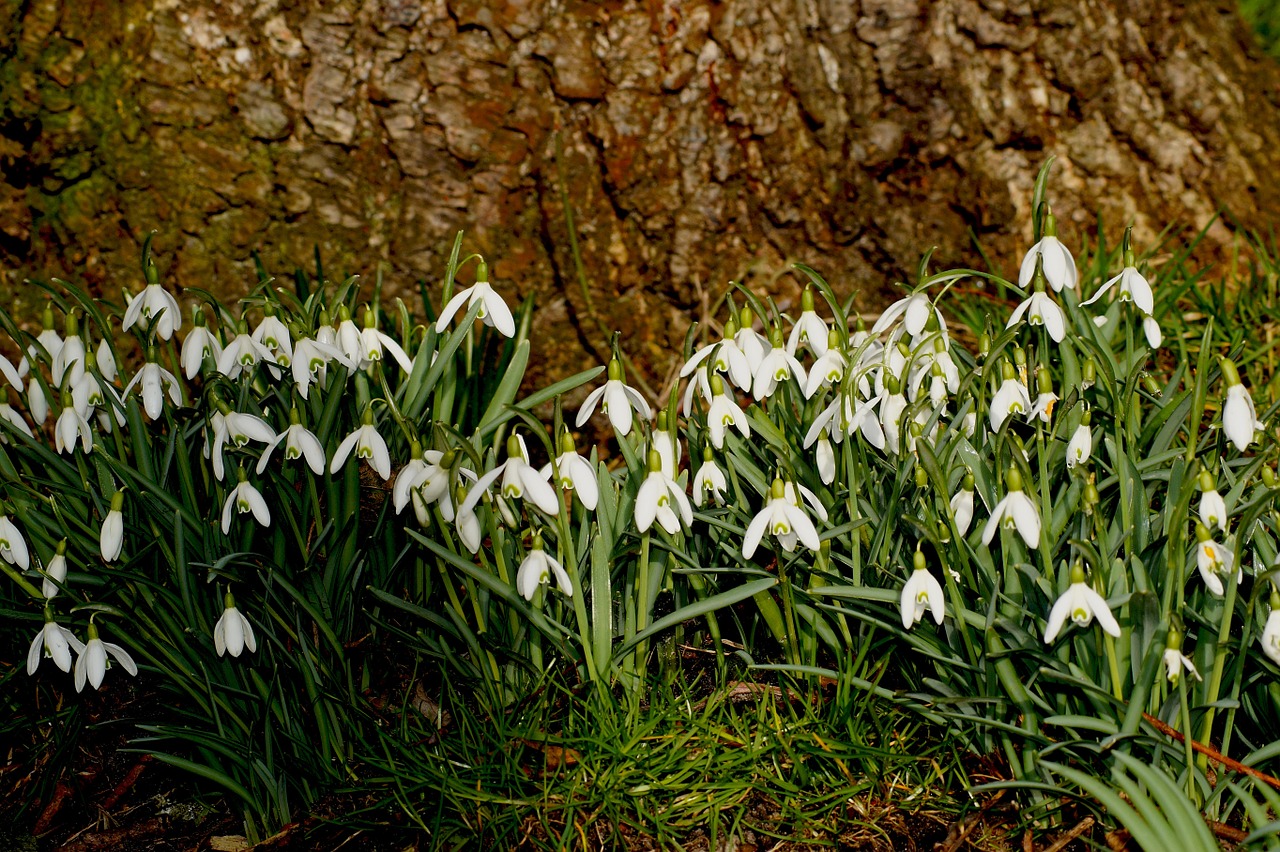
[70,427]
[810,329]
[775,367]
[1059,265]
[826,460]
[1010,399]
[233,633]
[709,482]
[914,311]
[13,547]
[921,592]
[724,413]
[1040,309]
[12,416]
[538,568]
[153,380]
[367,444]
[1015,511]
[1151,329]
[54,641]
[726,357]
[88,395]
[1214,561]
[962,505]
[574,473]
[520,480]
[783,518]
[753,345]
[1271,633]
[311,360]
[238,429]
[846,416]
[1176,662]
[68,364]
[661,499]
[241,354]
[493,310]
[37,402]
[1239,419]
[10,374]
[299,442]
[432,484]
[1082,605]
[828,370]
[1213,509]
[617,399]
[48,339]
[56,571]
[153,307]
[273,334]
[1134,287]
[466,522]
[111,536]
[1042,408]
[1080,447]
[373,343]
[92,663]
[200,343]
[244,499]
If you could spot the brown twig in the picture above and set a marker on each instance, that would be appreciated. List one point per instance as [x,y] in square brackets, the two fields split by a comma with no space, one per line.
[1212,753]
[127,784]
[1226,832]
[1080,828]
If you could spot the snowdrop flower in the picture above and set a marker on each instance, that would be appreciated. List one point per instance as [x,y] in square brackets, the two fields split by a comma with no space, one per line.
[71,427]
[1271,632]
[111,536]
[1214,561]
[242,353]
[1082,604]
[368,444]
[784,519]
[537,568]
[56,642]
[237,428]
[299,442]
[892,404]
[914,311]
[810,330]
[726,357]
[373,343]
[617,399]
[11,415]
[520,480]
[826,460]
[1080,447]
[776,366]
[311,361]
[1151,329]
[829,369]
[347,336]
[1015,511]
[845,416]
[69,362]
[724,413]
[92,663]
[921,592]
[10,374]
[466,522]
[1239,420]
[199,344]
[1134,287]
[1059,266]
[233,632]
[47,339]
[1041,309]
[89,394]
[273,334]
[56,571]
[493,311]
[244,498]
[962,504]
[433,484]
[414,475]
[661,498]
[1010,399]
[153,307]
[751,343]
[154,380]
[1213,509]
[667,444]
[1176,662]
[574,473]
[1045,399]
[13,547]
[709,482]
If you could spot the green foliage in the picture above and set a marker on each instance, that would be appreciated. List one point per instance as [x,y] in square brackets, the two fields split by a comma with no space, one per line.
[1264,17]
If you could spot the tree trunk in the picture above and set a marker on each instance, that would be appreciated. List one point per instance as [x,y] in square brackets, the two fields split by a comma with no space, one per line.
[695,142]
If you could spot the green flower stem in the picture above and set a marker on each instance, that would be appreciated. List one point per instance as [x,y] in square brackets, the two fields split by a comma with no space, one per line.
[569,558]
[14,575]
[1188,751]
[1109,646]
[1219,664]
[643,605]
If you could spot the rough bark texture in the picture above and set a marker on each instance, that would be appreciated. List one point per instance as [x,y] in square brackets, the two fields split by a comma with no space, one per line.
[701,141]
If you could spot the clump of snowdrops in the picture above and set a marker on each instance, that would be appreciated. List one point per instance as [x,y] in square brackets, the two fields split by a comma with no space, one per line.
[1057,536]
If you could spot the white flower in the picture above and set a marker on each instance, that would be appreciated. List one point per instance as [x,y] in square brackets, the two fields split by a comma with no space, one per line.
[751,343]
[154,304]
[468,525]
[729,359]
[1080,447]
[661,498]
[520,480]
[1213,509]
[1239,420]
[233,632]
[244,498]
[1271,636]
[826,460]
[892,404]
[776,366]
[199,344]
[1214,561]
[784,519]
[921,592]
[844,416]
[299,442]
[810,330]
[429,482]
[70,427]
[1041,309]
[92,664]
[10,374]
[311,360]
[1176,662]
[1015,511]
[368,444]
[37,402]
[154,380]
[962,505]
[373,343]
[111,536]
[1059,265]
[724,413]
[56,571]
[826,371]
[239,429]
[574,473]
[13,547]
[69,362]
[1043,407]
[493,311]
[709,481]
[915,312]
[618,401]
[1151,329]
[1082,604]
[666,444]
[274,335]
[241,354]
[56,642]
[1010,399]
[1133,288]
[537,568]
[11,415]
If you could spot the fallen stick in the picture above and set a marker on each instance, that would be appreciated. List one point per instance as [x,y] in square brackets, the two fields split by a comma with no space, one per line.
[1212,753]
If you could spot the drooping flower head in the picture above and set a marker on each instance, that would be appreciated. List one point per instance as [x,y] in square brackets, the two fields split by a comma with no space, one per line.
[810,330]
[233,632]
[537,568]
[1081,604]
[1213,561]
[617,399]
[93,661]
[1176,662]
[1239,420]
[1015,511]
[921,592]
[1059,266]
[1213,509]
[493,311]
[1040,308]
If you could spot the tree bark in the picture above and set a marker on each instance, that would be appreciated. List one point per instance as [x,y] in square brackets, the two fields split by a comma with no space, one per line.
[696,142]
